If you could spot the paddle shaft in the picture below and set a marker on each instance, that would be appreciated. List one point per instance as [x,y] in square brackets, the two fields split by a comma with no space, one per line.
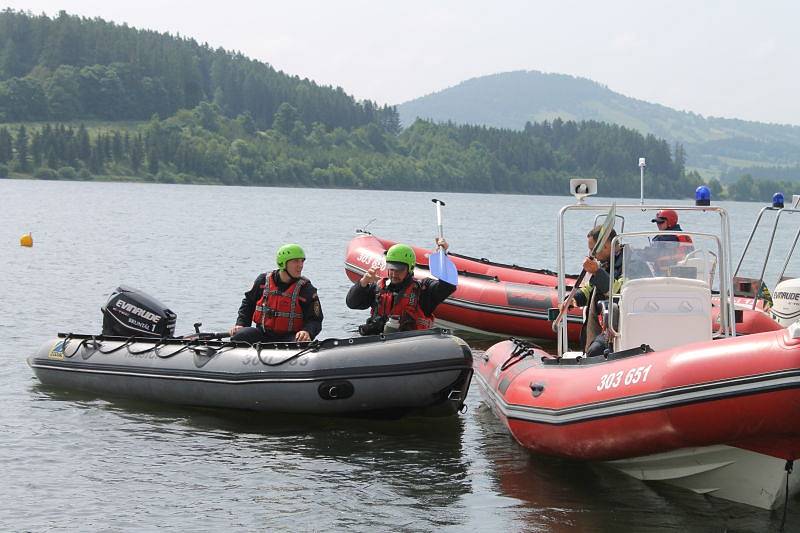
[569,298]
[440,265]
[439,205]
[206,336]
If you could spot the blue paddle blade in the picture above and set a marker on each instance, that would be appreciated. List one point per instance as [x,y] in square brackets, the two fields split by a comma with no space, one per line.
[443,268]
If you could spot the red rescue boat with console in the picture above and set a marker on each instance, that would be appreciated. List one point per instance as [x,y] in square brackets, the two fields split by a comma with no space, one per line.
[500,300]
[491,299]
[673,399]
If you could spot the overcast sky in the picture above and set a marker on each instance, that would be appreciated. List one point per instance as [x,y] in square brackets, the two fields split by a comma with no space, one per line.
[722,58]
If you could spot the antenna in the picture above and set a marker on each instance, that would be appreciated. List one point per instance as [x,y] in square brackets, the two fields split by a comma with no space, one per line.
[642,164]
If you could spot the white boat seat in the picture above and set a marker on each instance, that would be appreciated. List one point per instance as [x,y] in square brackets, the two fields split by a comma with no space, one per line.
[704,265]
[663,312]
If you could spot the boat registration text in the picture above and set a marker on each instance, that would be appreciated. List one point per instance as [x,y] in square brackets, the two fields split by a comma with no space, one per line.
[631,377]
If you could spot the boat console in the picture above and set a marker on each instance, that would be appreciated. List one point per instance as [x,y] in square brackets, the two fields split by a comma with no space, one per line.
[669,279]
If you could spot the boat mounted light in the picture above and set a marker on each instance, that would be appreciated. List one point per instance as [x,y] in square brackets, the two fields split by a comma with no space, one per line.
[581,188]
[702,195]
[777,200]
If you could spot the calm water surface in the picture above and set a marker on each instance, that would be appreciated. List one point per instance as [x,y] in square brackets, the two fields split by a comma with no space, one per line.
[75,462]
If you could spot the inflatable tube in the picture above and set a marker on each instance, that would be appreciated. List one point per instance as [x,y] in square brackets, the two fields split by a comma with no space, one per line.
[427,372]
[704,416]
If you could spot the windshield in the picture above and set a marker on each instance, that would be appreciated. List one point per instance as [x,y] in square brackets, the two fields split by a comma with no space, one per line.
[647,256]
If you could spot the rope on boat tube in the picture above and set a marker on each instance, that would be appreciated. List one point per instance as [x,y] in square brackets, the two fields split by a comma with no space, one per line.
[167,356]
[66,342]
[128,342]
[313,346]
[95,345]
[522,349]
[210,351]
[138,352]
[200,349]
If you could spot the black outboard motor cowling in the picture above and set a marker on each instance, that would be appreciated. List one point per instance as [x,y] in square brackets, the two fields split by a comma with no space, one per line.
[132,313]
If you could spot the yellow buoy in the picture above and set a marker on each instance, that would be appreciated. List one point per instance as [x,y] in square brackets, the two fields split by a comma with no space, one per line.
[26,240]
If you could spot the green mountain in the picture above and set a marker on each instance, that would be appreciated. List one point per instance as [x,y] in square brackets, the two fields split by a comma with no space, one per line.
[89,99]
[511,99]
[68,68]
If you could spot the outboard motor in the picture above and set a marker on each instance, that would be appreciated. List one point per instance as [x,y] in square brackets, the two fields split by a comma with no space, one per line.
[132,313]
[786,302]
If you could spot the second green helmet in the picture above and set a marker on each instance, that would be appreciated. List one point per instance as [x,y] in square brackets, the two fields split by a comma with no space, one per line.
[287,252]
[402,253]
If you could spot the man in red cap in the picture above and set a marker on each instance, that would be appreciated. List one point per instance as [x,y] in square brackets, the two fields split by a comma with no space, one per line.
[667,220]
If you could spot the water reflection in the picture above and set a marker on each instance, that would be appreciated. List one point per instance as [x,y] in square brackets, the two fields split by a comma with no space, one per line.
[299,472]
[561,495]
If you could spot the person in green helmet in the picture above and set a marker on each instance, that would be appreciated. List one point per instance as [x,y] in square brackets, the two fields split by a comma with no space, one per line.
[283,304]
[398,302]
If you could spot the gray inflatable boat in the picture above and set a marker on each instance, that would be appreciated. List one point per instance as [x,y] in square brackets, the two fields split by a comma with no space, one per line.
[426,373]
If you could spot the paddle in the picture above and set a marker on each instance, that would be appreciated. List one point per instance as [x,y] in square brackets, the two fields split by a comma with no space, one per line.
[440,265]
[601,241]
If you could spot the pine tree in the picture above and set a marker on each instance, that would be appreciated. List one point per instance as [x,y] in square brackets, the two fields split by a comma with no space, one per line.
[6,146]
[152,160]
[137,154]
[84,145]
[21,145]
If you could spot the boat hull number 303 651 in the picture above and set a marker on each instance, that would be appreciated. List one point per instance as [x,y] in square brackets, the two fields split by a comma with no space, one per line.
[631,377]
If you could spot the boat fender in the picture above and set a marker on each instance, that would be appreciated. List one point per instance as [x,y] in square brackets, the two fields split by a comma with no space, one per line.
[336,390]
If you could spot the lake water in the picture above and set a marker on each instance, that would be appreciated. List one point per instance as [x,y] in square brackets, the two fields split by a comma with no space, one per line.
[75,462]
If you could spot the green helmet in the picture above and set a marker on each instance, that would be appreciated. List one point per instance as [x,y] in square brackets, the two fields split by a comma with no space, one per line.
[402,253]
[287,252]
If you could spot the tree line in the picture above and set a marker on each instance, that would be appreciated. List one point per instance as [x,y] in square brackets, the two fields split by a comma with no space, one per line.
[69,68]
[203,144]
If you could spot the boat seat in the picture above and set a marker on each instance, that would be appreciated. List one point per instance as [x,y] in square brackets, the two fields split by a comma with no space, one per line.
[704,266]
[663,312]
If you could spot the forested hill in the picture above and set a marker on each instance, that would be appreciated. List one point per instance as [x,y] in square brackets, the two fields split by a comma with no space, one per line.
[511,99]
[202,145]
[68,68]
[89,99]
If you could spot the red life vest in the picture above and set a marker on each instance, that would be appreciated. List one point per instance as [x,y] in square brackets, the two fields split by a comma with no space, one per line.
[403,304]
[279,311]
[684,247]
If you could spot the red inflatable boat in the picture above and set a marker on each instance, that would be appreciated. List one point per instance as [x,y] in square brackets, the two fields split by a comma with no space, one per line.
[491,298]
[719,417]
[679,395]
[504,300]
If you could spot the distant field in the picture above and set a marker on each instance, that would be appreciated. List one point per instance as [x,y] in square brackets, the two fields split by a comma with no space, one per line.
[92,126]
